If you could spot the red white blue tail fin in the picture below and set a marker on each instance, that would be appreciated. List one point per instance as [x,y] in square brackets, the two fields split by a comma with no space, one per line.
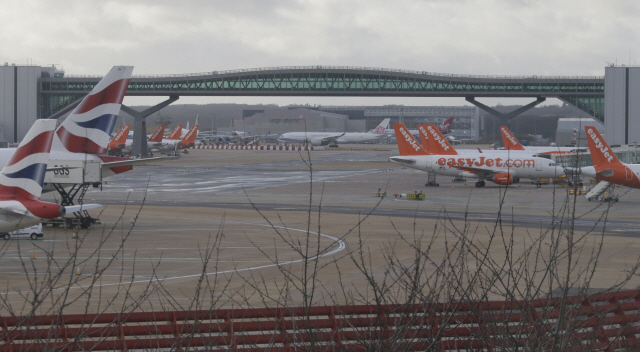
[407,145]
[156,137]
[437,143]
[176,133]
[445,127]
[509,140]
[601,154]
[22,176]
[88,128]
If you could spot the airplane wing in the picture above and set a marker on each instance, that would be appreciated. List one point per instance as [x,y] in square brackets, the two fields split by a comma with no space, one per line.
[333,138]
[75,208]
[481,171]
[131,162]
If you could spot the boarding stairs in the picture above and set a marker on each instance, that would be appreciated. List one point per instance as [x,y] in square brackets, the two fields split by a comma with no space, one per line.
[598,190]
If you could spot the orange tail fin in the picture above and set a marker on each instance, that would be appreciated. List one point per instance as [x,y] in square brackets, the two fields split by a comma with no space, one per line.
[119,139]
[424,138]
[189,138]
[509,140]
[407,145]
[176,133]
[437,143]
[157,135]
[601,154]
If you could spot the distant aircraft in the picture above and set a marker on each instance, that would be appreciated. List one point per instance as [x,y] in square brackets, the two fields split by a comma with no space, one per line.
[119,141]
[21,182]
[606,166]
[501,167]
[444,128]
[326,138]
[176,133]
[120,146]
[173,145]
[511,143]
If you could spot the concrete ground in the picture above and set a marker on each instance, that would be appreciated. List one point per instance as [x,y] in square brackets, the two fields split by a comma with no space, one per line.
[232,228]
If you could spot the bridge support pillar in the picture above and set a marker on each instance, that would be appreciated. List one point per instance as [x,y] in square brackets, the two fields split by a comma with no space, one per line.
[139,146]
[506,118]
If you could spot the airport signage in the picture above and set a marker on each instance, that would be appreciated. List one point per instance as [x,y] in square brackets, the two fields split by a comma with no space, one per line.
[487,162]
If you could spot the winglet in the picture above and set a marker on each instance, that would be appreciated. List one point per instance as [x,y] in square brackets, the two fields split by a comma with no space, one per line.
[437,143]
[407,145]
[23,175]
[509,140]
[176,133]
[156,137]
[601,153]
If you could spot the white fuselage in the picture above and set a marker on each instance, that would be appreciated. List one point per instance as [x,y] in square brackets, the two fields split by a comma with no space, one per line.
[349,137]
[481,165]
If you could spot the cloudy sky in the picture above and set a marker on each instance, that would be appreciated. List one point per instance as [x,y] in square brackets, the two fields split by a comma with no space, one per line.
[478,37]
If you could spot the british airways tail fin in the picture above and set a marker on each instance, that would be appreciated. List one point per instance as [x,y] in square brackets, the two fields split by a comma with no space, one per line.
[88,127]
[601,153]
[407,145]
[437,143]
[176,133]
[157,135]
[509,140]
[22,176]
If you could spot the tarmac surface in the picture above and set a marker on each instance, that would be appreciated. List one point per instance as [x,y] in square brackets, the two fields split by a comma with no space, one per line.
[222,228]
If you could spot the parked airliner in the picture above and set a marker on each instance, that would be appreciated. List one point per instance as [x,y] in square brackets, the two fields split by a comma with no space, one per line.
[326,138]
[499,167]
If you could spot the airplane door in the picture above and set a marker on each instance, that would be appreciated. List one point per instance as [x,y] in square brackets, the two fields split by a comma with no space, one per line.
[629,174]
[538,166]
[428,163]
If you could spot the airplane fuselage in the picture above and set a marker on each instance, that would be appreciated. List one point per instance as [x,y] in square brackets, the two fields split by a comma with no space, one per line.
[480,165]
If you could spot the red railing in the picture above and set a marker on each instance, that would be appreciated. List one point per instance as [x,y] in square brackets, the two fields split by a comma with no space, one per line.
[600,322]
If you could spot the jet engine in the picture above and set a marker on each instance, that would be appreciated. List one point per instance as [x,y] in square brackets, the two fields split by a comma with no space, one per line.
[316,142]
[505,179]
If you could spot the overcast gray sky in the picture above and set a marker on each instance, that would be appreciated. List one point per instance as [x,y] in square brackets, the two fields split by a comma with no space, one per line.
[483,37]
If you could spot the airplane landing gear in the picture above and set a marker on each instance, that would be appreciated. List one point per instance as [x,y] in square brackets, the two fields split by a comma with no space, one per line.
[480,184]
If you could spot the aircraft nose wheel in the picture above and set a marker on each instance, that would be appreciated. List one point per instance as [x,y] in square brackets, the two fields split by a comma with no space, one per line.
[480,184]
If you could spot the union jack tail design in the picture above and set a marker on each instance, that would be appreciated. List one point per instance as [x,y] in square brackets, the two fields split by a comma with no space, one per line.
[89,126]
[22,176]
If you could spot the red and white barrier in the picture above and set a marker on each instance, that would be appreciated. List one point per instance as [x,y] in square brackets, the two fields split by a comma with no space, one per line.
[257,147]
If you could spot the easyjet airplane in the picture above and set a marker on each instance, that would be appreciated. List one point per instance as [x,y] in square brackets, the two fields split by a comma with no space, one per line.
[119,141]
[511,143]
[606,166]
[171,145]
[120,145]
[497,166]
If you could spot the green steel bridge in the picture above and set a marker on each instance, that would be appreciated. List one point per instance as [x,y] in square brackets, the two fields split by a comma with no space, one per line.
[58,94]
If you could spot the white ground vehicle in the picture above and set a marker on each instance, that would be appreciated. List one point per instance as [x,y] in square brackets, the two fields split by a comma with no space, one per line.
[32,232]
